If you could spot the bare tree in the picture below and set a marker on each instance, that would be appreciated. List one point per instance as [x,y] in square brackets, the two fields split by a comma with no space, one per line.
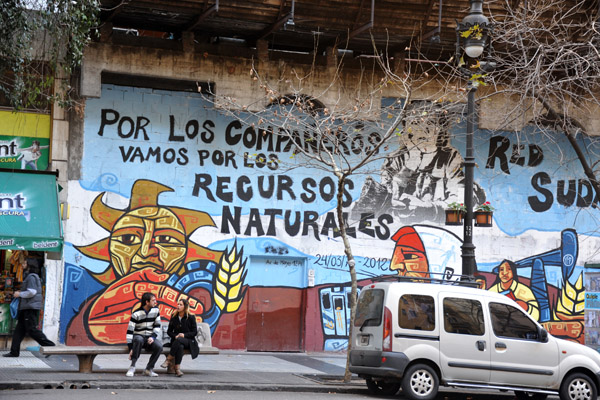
[361,115]
[548,67]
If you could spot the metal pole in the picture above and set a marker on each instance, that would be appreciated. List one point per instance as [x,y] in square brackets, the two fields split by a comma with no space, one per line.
[468,249]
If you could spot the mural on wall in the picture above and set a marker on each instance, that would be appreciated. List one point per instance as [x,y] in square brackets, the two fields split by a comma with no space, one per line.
[149,250]
[250,242]
[426,252]
[335,313]
[559,307]
[420,178]
[431,252]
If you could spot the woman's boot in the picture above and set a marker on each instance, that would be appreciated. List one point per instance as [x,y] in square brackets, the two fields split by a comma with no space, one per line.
[171,369]
[178,371]
[167,362]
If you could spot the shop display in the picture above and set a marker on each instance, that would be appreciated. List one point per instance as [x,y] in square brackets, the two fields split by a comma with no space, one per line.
[592,307]
[11,276]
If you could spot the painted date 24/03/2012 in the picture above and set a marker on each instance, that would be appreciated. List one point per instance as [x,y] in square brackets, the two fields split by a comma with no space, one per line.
[338,261]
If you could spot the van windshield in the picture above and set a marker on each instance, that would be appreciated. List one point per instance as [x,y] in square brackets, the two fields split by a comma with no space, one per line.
[369,308]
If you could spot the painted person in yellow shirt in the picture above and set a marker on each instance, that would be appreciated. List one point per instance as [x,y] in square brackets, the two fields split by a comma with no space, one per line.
[508,284]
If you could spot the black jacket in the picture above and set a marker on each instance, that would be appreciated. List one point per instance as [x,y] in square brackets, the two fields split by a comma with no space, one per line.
[188,327]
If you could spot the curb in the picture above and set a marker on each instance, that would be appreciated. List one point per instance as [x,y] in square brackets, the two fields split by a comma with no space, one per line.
[185,385]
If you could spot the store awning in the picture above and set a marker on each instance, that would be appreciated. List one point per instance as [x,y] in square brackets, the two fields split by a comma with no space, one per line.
[29,211]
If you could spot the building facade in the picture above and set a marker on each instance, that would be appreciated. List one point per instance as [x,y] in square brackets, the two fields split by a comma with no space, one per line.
[163,197]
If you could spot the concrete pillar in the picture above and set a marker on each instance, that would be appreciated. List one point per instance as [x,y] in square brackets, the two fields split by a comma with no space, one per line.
[91,78]
[59,161]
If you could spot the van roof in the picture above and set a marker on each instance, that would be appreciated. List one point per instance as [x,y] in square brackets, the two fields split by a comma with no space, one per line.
[433,288]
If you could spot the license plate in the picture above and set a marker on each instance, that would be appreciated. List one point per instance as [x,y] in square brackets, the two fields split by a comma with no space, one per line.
[364,340]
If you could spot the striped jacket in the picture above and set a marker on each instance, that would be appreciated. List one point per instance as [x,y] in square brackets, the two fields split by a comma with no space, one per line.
[144,323]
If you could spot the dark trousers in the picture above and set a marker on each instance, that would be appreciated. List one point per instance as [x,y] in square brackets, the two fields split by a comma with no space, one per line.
[177,348]
[27,323]
[140,342]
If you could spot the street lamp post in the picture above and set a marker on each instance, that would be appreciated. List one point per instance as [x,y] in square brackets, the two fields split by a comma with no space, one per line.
[468,248]
[472,36]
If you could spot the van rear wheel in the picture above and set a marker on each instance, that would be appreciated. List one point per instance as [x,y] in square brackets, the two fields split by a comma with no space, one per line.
[420,382]
[382,388]
[530,395]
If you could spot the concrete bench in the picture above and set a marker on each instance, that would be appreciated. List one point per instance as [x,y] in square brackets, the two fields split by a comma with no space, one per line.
[87,354]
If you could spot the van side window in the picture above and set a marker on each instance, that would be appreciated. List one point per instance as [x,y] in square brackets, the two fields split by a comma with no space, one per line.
[369,308]
[464,316]
[416,312]
[511,322]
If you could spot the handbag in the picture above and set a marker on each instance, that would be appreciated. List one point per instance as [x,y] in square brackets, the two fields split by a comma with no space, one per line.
[166,339]
[14,307]
[203,335]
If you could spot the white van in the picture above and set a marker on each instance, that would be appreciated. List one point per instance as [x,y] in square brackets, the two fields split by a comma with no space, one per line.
[417,336]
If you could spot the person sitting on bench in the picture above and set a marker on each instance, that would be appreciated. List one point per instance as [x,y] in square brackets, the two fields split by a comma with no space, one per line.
[182,331]
[142,332]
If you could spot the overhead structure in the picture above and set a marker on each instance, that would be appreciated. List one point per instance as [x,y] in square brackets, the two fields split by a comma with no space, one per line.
[301,25]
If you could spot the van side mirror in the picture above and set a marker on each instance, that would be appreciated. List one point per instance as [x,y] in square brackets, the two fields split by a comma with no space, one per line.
[543,335]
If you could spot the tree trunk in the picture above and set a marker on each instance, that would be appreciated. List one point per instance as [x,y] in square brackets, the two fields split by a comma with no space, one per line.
[351,266]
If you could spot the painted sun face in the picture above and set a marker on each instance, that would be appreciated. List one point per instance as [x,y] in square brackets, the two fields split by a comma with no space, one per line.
[505,273]
[409,262]
[148,237]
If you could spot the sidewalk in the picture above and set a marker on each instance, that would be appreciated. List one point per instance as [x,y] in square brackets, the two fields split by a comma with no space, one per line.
[231,370]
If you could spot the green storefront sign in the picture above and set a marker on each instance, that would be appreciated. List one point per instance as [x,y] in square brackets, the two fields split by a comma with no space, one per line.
[29,211]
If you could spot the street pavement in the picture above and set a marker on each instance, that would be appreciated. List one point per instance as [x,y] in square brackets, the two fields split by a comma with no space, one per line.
[229,370]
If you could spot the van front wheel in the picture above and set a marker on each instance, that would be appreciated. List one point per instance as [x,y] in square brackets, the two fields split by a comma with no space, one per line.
[420,382]
[382,388]
[578,386]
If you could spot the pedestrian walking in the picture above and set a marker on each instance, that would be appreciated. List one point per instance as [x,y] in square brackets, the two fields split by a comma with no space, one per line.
[142,333]
[29,311]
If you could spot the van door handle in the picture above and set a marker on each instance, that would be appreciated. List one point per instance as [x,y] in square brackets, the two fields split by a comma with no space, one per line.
[480,345]
[500,345]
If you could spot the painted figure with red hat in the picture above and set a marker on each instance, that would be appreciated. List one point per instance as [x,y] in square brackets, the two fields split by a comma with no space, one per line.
[424,251]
